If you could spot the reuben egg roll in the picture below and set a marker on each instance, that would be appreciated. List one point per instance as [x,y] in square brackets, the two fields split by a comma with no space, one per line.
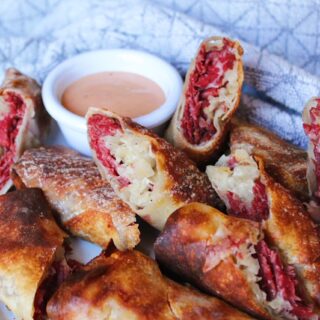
[145,171]
[210,97]
[232,258]
[31,253]
[249,192]
[311,125]
[23,121]
[283,161]
[85,203]
[129,286]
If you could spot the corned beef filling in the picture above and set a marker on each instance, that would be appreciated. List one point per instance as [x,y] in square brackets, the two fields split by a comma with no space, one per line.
[312,130]
[205,81]
[9,128]
[258,210]
[278,280]
[100,126]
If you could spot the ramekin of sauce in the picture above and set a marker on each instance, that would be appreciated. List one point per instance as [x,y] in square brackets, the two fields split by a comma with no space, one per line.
[131,83]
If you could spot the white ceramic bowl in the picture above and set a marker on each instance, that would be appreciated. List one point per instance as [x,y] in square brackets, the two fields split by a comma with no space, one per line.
[73,126]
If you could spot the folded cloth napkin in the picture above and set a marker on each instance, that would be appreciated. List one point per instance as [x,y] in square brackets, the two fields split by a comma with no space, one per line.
[36,35]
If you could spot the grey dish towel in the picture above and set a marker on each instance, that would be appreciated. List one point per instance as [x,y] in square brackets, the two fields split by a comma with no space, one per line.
[280,37]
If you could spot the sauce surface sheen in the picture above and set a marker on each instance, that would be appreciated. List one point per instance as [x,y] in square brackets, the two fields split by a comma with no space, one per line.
[128,94]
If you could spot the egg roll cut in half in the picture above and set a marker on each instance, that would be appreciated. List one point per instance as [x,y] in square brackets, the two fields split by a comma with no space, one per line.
[31,253]
[85,203]
[210,97]
[283,161]
[23,121]
[311,125]
[145,171]
[231,258]
[128,285]
[248,192]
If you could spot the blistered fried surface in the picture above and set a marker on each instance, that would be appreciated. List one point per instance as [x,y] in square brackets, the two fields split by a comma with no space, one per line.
[194,236]
[129,285]
[29,240]
[291,229]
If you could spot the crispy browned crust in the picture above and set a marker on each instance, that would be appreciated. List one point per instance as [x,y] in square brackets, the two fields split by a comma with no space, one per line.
[283,161]
[184,181]
[131,286]
[29,239]
[36,121]
[209,152]
[183,247]
[86,204]
[291,229]
[188,304]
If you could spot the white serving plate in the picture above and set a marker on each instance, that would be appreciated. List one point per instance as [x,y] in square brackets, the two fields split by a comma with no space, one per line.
[82,250]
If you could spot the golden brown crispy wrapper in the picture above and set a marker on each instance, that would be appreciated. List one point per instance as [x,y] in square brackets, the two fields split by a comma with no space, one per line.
[128,285]
[29,239]
[287,225]
[204,152]
[86,204]
[175,179]
[33,127]
[283,161]
[184,247]
[291,229]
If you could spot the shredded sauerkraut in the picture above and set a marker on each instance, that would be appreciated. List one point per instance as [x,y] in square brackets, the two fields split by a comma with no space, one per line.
[136,162]
[239,180]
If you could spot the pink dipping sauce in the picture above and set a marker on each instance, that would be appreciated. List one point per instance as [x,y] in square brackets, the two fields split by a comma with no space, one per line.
[127,94]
